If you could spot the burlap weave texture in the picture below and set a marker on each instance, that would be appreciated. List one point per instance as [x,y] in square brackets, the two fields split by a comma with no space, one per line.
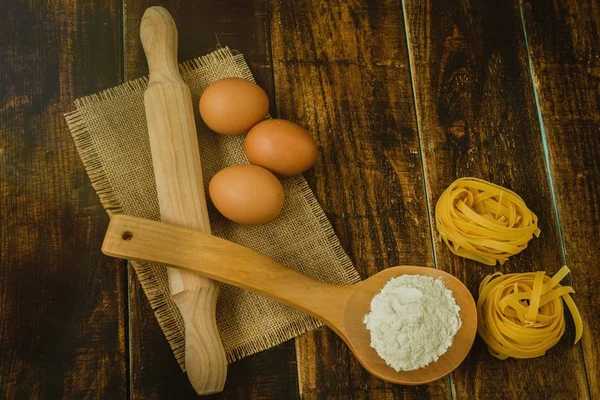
[110,133]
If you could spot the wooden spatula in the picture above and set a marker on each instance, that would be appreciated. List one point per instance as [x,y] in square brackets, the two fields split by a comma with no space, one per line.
[181,197]
[342,308]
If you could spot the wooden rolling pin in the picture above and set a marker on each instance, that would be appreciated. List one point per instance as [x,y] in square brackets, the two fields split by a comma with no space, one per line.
[176,160]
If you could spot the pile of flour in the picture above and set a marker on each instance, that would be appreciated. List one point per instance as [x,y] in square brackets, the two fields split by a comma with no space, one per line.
[412,321]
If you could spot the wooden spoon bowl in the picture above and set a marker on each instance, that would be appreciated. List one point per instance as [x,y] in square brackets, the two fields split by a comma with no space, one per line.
[358,337]
[342,308]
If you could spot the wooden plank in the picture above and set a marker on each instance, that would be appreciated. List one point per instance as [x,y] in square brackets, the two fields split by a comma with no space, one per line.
[62,304]
[564,48]
[341,70]
[155,374]
[477,117]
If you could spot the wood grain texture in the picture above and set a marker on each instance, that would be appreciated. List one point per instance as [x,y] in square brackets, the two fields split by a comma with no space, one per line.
[62,304]
[477,117]
[155,373]
[201,25]
[341,71]
[179,185]
[340,307]
[564,48]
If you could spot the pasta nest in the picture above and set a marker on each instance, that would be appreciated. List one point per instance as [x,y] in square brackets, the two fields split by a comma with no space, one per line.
[521,315]
[484,222]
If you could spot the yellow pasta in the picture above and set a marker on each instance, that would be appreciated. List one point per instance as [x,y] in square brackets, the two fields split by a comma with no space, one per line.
[484,222]
[521,315]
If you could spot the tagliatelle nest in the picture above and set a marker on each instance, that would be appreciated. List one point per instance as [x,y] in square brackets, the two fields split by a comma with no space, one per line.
[521,315]
[483,221]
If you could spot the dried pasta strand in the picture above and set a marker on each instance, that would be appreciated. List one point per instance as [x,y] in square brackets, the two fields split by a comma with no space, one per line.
[521,315]
[483,221]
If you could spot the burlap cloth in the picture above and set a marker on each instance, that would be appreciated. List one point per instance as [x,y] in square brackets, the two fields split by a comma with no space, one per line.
[110,133]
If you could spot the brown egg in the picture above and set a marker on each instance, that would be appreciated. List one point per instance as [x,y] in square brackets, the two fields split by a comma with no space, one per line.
[231,106]
[246,194]
[281,146]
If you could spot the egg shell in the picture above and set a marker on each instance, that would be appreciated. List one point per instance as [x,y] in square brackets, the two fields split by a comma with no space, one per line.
[231,106]
[246,194]
[281,146]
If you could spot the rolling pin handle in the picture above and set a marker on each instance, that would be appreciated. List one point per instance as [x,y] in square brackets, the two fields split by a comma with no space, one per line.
[158,33]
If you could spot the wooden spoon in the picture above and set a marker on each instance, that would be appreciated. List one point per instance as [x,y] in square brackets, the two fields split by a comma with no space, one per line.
[342,308]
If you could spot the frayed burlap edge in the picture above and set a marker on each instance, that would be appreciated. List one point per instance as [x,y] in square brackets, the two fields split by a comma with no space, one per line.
[165,310]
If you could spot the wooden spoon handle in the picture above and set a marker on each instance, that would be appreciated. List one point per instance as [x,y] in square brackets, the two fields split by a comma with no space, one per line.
[178,174]
[140,239]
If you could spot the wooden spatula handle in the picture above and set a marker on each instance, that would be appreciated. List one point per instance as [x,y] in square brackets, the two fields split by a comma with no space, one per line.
[142,239]
[178,174]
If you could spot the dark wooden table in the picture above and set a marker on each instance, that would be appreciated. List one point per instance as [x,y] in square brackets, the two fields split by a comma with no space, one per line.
[403,96]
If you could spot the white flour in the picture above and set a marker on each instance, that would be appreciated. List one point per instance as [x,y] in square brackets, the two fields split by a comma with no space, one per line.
[412,321]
